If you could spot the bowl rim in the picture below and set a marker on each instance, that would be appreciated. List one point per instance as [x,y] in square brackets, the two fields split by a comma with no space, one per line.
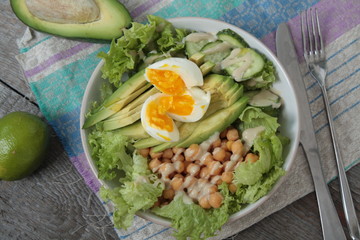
[290,157]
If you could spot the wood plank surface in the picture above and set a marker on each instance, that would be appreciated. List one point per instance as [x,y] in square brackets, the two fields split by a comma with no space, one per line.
[55,203]
[11,29]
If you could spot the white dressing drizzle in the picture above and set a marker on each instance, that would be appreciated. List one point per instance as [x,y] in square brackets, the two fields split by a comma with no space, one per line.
[197,37]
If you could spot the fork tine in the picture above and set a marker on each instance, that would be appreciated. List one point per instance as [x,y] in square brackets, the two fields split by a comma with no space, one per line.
[314,30]
[309,30]
[303,35]
[319,31]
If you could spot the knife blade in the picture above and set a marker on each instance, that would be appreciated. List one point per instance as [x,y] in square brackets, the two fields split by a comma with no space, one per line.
[330,222]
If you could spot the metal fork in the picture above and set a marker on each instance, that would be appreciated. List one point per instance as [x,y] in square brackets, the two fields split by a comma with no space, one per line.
[314,54]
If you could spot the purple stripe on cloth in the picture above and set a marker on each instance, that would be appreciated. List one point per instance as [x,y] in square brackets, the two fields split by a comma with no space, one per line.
[143,7]
[336,18]
[57,57]
[82,166]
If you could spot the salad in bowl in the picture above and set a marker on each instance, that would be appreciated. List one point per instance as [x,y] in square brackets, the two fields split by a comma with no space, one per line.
[188,122]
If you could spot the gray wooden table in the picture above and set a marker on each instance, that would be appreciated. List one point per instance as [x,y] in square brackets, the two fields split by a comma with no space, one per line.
[55,202]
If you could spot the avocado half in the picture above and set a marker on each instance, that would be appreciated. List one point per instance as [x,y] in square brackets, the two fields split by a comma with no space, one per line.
[86,19]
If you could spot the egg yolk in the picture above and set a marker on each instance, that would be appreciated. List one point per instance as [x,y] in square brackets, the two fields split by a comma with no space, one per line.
[156,110]
[166,81]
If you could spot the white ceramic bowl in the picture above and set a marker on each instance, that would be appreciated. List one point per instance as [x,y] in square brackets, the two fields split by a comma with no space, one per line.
[289,118]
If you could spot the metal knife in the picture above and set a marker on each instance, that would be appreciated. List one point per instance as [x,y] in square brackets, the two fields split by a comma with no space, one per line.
[331,226]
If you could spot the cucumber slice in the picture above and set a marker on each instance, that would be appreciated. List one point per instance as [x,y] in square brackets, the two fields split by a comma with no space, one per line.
[194,42]
[243,64]
[265,99]
[229,36]
[216,51]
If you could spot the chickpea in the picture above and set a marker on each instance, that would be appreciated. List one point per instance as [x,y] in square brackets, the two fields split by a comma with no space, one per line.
[155,154]
[193,169]
[219,154]
[212,188]
[227,177]
[208,159]
[228,145]
[144,152]
[223,134]
[229,166]
[189,181]
[237,147]
[204,202]
[215,199]
[227,156]
[191,152]
[215,168]
[156,204]
[177,150]
[204,173]
[168,153]
[154,164]
[169,193]
[216,143]
[224,144]
[232,188]
[232,134]
[178,157]
[250,157]
[178,175]
[166,160]
[176,183]
[179,166]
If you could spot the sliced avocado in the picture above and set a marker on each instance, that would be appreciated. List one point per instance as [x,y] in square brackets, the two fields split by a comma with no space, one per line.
[227,84]
[216,122]
[93,19]
[185,131]
[135,131]
[212,82]
[233,97]
[110,110]
[119,123]
[134,104]
[135,82]
[206,68]
[197,58]
[135,111]
[147,142]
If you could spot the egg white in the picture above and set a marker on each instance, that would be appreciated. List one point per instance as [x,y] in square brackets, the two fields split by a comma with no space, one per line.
[201,104]
[186,69]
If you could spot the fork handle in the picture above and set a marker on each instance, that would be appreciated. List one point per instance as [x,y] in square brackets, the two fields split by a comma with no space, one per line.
[348,205]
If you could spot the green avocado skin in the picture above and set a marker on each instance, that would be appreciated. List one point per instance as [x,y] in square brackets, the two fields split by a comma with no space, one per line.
[114,17]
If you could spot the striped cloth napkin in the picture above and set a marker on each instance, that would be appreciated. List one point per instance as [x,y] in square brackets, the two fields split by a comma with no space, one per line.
[58,70]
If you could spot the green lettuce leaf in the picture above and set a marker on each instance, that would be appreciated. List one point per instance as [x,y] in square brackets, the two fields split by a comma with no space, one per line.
[109,152]
[192,221]
[269,148]
[117,61]
[253,117]
[139,191]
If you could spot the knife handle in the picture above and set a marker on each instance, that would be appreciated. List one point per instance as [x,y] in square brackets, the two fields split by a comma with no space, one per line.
[330,222]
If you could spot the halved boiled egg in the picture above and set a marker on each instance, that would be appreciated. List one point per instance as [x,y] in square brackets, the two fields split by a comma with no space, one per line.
[155,120]
[174,75]
[180,100]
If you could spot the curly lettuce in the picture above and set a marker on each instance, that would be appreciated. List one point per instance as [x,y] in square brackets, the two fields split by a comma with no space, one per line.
[127,52]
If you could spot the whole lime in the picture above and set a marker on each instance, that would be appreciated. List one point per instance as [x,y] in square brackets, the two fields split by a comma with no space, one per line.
[24,139]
